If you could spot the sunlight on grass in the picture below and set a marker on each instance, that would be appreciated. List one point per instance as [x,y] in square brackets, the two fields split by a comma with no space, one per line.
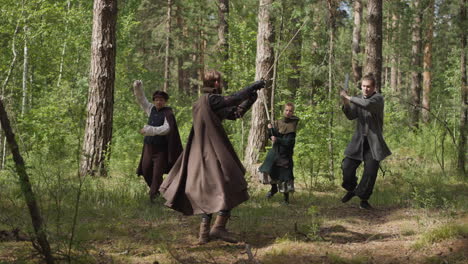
[439,234]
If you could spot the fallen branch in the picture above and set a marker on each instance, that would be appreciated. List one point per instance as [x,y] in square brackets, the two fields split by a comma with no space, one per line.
[251,256]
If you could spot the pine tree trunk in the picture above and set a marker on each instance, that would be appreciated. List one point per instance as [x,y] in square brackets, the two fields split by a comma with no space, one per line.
[374,41]
[98,132]
[356,46]
[201,56]
[427,63]
[394,56]
[183,75]
[26,187]
[399,77]
[461,164]
[294,79]
[264,62]
[168,46]
[223,37]
[223,28]
[4,151]
[416,63]
[331,60]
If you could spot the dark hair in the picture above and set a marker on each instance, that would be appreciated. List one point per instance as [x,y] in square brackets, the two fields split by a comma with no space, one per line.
[160,94]
[211,77]
[369,77]
[290,105]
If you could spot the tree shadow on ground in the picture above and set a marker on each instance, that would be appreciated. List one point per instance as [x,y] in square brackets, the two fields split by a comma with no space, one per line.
[340,235]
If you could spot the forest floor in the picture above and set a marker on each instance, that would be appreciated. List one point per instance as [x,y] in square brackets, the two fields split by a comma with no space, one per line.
[315,228]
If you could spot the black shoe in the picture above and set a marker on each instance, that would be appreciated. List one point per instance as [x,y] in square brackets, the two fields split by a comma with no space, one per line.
[347,197]
[286,198]
[153,196]
[365,205]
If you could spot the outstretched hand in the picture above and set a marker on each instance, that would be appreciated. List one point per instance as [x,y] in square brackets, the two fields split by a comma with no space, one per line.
[260,84]
[137,83]
[344,95]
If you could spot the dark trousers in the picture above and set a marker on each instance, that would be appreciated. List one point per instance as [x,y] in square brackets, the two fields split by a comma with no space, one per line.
[366,185]
[154,164]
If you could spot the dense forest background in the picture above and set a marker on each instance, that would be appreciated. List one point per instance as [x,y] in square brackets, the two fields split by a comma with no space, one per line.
[46,88]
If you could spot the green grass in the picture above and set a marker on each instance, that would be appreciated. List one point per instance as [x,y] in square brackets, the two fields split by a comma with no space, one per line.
[335,259]
[445,232]
[115,216]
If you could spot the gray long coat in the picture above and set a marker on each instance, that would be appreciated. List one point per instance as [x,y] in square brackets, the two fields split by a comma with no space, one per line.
[369,115]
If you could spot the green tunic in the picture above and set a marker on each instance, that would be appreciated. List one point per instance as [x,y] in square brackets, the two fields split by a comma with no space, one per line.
[278,163]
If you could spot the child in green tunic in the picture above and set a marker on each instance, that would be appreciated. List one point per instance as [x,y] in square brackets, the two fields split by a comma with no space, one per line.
[278,165]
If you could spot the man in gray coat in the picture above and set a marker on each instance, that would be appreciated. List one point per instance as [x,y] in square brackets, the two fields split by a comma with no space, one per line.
[367,144]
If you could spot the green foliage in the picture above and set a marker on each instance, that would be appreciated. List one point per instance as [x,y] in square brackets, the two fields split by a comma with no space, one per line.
[419,174]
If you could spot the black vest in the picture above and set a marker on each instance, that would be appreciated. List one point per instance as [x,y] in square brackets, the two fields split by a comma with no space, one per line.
[156,118]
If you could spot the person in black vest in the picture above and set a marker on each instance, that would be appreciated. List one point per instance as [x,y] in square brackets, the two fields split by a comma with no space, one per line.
[162,145]
[367,144]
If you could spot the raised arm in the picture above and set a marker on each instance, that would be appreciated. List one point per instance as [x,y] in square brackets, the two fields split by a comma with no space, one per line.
[140,97]
[348,109]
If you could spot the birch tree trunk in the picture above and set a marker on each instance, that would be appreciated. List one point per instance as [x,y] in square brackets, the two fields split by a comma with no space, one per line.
[25,72]
[168,46]
[263,64]
[26,187]
[374,41]
[427,62]
[62,57]
[461,163]
[416,63]
[98,132]
[3,142]
[356,45]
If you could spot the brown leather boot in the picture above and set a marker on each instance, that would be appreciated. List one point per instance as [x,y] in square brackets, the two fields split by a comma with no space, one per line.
[219,231]
[204,235]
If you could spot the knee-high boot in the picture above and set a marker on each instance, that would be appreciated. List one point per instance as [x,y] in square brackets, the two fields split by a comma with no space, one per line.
[204,235]
[219,231]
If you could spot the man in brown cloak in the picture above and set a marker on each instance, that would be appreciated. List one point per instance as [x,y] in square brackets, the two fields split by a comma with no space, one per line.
[209,177]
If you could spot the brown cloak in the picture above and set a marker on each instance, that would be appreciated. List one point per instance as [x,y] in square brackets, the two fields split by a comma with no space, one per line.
[174,145]
[208,176]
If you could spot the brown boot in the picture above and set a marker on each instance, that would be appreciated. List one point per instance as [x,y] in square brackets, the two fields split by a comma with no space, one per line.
[219,231]
[204,235]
